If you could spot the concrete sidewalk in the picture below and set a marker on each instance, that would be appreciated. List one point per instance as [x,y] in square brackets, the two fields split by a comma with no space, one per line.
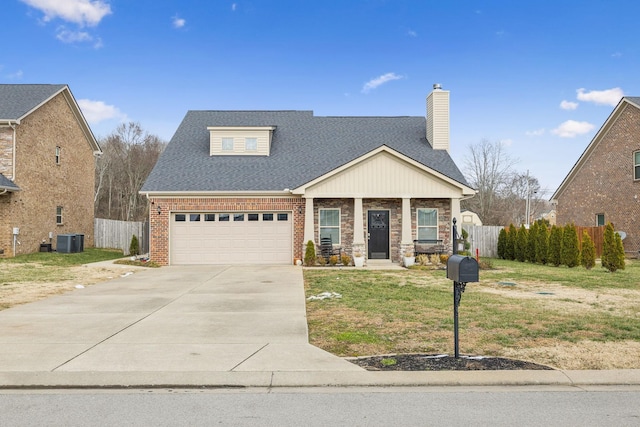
[211,326]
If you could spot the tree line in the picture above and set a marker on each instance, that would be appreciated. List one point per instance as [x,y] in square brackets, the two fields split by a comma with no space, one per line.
[559,246]
[128,156]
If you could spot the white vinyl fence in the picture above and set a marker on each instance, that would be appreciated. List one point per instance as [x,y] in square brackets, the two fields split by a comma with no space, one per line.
[484,238]
[114,234]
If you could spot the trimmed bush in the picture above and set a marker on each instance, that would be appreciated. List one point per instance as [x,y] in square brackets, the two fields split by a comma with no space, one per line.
[510,248]
[134,247]
[609,249]
[521,244]
[542,248]
[555,246]
[502,244]
[310,254]
[620,252]
[532,242]
[570,252]
[588,252]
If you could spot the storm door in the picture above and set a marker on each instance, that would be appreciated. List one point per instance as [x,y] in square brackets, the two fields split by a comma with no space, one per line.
[378,232]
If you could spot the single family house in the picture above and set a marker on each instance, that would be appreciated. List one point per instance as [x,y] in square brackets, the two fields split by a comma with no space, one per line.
[47,167]
[255,186]
[604,184]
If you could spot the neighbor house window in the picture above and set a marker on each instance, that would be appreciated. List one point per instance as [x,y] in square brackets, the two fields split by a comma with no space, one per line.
[57,155]
[427,224]
[251,144]
[329,220]
[59,215]
[227,144]
[599,220]
[636,165]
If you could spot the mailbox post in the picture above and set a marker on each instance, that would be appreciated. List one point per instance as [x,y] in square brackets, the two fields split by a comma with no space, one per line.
[462,270]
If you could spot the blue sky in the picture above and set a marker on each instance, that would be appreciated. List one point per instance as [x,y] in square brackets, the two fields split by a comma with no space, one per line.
[539,76]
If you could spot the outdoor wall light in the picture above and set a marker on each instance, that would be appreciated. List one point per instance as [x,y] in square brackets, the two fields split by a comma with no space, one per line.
[300,210]
[159,210]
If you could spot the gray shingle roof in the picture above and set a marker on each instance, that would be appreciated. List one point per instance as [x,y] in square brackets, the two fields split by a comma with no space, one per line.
[634,99]
[7,184]
[304,147]
[17,100]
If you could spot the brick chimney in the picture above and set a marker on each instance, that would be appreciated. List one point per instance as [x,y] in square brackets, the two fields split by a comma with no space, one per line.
[438,118]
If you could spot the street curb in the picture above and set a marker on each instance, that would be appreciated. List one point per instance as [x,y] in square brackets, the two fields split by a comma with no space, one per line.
[128,380]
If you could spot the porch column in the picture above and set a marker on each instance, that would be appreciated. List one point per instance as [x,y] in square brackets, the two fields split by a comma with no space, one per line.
[358,222]
[455,211]
[308,222]
[406,222]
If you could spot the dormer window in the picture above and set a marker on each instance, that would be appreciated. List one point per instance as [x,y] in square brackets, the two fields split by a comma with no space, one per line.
[239,141]
[227,144]
[251,144]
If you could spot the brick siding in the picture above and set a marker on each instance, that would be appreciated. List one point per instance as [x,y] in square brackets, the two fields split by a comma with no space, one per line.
[45,185]
[605,182]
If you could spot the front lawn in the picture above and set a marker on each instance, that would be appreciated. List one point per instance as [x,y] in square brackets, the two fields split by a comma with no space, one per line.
[567,318]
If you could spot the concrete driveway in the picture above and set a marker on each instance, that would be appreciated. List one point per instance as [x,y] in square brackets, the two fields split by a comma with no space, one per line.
[171,319]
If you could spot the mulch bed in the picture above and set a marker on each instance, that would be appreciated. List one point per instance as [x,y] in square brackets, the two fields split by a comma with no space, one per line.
[432,362]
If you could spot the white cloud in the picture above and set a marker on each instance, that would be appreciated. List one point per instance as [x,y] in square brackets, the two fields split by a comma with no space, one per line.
[15,76]
[234,6]
[568,105]
[178,22]
[616,55]
[602,97]
[377,81]
[98,111]
[81,12]
[506,142]
[537,132]
[70,36]
[572,128]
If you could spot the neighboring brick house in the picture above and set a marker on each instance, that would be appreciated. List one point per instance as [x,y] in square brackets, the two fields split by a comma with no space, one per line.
[604,184]
[254,186]
[47,168]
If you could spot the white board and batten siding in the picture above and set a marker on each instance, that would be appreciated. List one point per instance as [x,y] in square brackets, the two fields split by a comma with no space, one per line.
[385,176]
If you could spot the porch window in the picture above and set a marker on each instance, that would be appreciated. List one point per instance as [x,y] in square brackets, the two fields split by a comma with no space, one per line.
[427,224]
[329,220]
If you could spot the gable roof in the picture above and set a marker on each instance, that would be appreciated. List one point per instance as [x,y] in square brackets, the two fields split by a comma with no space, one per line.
[18,101]
[304,147]
[632,100]
[7,185]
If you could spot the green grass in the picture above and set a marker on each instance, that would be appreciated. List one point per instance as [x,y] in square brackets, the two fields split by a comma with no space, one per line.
[384,312]
[49,266]
[89,255]
[598,277]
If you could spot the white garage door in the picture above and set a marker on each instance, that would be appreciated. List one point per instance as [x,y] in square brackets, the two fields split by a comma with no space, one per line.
[231,238]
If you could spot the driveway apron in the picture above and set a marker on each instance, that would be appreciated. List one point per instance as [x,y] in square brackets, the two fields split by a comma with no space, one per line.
[171,319]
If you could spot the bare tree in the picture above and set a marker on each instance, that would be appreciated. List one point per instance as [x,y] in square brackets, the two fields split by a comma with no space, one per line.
[523,189]
[129,154]
[488,169]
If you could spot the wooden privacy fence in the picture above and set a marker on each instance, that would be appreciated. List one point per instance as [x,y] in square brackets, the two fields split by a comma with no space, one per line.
[113,234]
[484,238]
[596,234]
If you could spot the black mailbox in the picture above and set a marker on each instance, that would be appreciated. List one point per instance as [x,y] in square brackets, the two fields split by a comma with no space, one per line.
[462,269]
